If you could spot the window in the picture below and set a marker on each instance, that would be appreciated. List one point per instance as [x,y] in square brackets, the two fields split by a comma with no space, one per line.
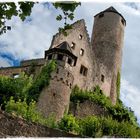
[57,70]
[83,70]
[81,52]
[69,61]
[60,57]
[15,75]
[73,45]
[122,21]
[101,15]
[8,27]
[80,37]
[70,85]
[102,78]
[50,57]
[54,94]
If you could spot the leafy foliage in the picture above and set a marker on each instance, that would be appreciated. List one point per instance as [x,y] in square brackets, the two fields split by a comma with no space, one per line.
[118,84]
[14,87]
[94,126]
[9,9]
[32,68]
[29,112]
[68,9]
[117,112]
[24,86]
[41,81]
[68,123]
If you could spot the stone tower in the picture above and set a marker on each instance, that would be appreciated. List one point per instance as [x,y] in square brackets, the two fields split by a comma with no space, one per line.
[55,98]
[107,42]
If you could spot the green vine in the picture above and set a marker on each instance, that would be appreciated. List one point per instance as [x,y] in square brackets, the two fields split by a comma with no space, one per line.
[118,84]
[42,80]
[32,68]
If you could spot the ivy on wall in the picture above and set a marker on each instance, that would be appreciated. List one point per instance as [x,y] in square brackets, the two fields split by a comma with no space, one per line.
[118,84]
[42,80]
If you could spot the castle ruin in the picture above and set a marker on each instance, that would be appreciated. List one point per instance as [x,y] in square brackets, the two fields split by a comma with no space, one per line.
[80,61]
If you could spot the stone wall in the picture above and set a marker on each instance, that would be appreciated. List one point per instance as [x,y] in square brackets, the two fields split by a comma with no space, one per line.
[86,108]
[25,66]
[39,61]
[79,37]
[11,126]
[54,99]
[11,71]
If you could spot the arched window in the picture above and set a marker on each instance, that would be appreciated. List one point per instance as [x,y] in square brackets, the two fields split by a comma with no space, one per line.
[80,37]
[81,52]
[73,45]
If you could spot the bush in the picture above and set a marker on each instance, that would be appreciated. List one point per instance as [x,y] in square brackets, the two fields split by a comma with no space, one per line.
[117,112]
[94,126]
[14,87]
[90,126]
[68,123]
[29,112]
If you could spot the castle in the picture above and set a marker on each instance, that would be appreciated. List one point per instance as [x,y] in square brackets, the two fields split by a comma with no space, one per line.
[80,61]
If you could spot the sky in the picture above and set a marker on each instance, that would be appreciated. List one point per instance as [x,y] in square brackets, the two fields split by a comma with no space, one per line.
[29,39]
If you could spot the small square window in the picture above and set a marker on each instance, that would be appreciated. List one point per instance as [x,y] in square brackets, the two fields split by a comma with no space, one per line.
[50,57]
[80,37]
[69,61]
[59,57]
[57,70]
[81,52]
[102,78]
[8,27]
[83,70]
[54,94]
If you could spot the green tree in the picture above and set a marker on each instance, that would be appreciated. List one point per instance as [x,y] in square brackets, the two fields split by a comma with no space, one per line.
[68,9]
[24,9]
[7,10]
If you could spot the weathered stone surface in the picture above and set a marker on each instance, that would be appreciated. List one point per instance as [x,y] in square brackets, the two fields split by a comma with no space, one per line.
[55,98]
[11,126]
[86,108]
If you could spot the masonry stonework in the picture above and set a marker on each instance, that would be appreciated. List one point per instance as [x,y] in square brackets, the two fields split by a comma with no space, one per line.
[80,61]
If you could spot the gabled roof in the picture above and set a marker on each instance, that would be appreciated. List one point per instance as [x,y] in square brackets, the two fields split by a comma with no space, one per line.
[64,46]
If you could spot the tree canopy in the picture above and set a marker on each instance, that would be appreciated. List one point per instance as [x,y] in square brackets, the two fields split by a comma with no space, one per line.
[24,9]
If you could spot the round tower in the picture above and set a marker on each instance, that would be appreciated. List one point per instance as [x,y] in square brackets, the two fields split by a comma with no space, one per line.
[107,42]
[55,99]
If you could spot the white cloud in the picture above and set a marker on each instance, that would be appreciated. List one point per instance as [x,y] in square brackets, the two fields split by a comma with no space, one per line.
[28,40]
[130,95]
